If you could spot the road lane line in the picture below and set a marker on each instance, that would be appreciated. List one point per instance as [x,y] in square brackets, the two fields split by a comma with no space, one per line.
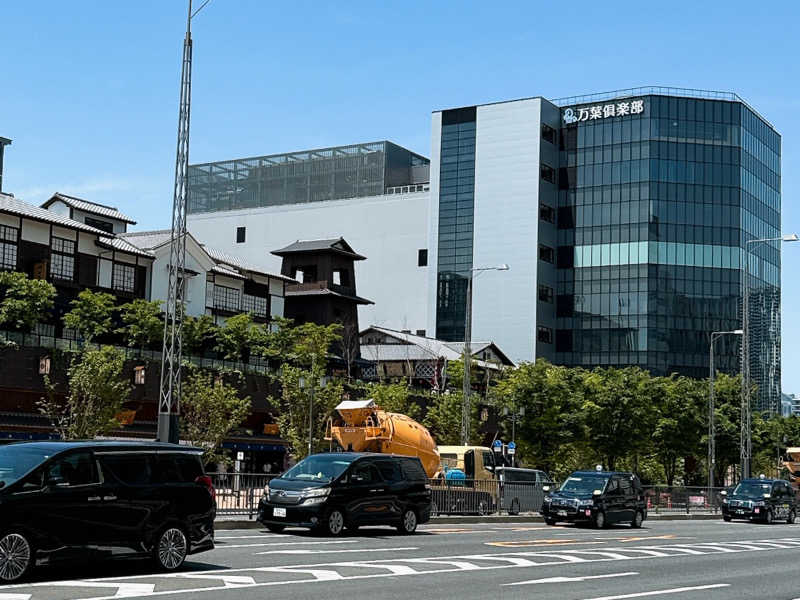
[570,579]
[663,592]
[306,552]
[15,596]
[228,580]
[226,547]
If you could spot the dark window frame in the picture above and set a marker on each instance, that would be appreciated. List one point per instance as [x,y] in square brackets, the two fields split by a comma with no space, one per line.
[547,173]
[548,133]
[106,226]
[422,257]
[223,296]
[241,235]
[9,247]
[121,279]
[64,268]
[546,294]
[547,254]
[544,334]
[547,213]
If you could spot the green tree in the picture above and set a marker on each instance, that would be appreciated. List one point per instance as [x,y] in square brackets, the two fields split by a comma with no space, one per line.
[680,405]
[24,302]
[96,394]
[210,409]
[443,419]
[618,416]
[91,314]
[238,336]
[198,333]
[394,397]
[306,394]
[727,420]
[143,323]
[548,396]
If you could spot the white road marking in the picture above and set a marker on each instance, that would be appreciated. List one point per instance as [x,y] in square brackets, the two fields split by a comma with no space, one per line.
[228,580]
[570,579]
[124,590]
[248,537]
[15,596]
[304,551]
[225,547]
[315,573]
[663,592]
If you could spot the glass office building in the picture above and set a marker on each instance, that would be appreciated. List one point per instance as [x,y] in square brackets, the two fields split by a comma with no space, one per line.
[646,200]
[354,171]
[655,209]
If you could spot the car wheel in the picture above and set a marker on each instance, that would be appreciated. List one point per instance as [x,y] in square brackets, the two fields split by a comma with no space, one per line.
[171,549]
[768,518]
[408,522]
[638,518]
[791,518]
[514,509]
[599,520]
[550,521]
[726,518]
[334,524]
[16,557]
[276,528]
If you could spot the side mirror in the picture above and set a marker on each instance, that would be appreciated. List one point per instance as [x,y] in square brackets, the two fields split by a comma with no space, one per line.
[723,493]
[55,481]
[597,493]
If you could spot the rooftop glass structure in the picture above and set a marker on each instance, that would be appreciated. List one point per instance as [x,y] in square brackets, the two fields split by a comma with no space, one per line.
[307,176]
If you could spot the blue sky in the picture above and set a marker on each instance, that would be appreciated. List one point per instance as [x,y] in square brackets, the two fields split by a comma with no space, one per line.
[88,90]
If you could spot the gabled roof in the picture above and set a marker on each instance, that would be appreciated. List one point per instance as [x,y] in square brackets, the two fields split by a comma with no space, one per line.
[123,246]
[431,347]
[336,246]
[9,204]
[223,258]
[148,240]
[90,207]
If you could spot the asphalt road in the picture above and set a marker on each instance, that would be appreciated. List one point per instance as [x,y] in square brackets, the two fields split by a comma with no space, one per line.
[671,559]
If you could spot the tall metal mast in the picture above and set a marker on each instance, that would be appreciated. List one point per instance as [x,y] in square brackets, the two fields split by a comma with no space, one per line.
[170,392]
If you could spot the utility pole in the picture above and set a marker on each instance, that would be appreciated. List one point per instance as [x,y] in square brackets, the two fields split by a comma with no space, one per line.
[172,349]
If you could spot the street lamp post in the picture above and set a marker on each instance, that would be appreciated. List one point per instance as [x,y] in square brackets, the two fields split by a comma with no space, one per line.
[465,409]
[711,429]
[745,438]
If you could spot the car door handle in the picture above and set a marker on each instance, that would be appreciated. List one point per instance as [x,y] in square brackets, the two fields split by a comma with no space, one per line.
[109,498]
[93,498]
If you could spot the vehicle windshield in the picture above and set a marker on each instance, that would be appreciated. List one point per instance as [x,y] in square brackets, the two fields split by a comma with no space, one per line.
[17,460]
[322,468]
[585,484]
[752,489]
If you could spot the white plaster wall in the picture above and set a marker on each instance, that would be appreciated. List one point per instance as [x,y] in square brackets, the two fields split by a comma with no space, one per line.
[33,231]
[9,220]
[195,292]
[506,225]
[388,230]
[59,208]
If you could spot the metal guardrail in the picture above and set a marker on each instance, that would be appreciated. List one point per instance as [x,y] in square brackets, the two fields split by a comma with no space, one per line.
[240,493]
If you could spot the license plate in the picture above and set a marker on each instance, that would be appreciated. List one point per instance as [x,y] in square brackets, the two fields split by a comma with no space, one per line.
[279,512]
[562,513]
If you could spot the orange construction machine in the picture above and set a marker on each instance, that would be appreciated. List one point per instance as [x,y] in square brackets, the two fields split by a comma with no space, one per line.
[363,427]
[792,464]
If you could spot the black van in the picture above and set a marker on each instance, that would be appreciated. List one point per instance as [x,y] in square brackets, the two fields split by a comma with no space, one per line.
[330,492]
[62,500]
[600,498]
[762,499]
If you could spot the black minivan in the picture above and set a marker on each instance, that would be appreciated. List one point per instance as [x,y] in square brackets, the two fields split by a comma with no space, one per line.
[69,500]
[331,492]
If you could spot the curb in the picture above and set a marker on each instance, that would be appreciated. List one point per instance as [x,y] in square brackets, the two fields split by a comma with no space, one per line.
[224,525]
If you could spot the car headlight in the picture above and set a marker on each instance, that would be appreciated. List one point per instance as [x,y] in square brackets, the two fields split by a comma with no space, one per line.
[317,493]
[313,500]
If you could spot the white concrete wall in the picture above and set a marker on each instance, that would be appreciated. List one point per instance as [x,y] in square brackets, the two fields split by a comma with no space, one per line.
[506,225]
[195,293]
[433,223]
[388,230]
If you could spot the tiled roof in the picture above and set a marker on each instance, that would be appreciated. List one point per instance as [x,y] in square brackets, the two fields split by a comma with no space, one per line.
[9,204]
[90,207]
[431,346]
[338,245]
[124,246]
[222,257]
[227,272]
[326,292]
[147,240]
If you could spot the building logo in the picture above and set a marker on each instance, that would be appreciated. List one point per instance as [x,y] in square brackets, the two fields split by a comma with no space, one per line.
[603,111]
